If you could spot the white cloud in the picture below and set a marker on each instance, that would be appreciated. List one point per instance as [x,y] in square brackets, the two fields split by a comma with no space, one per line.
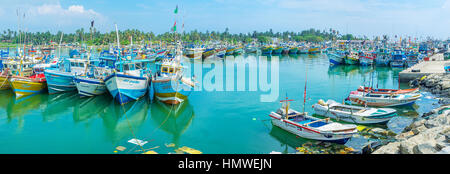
[57,9]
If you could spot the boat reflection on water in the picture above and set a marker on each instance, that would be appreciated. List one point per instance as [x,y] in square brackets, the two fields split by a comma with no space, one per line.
[172,119]
[287,140]
[122,121]
[87,108]
[28,105]
[59,103]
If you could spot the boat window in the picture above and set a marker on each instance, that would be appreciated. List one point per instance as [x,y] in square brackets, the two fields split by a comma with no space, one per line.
[132,66]
[126,67]
[81,64]
[171,70]
[164,69]
[72,63]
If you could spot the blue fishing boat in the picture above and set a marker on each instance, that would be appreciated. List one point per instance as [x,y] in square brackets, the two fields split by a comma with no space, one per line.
[382,58]
[61,79]
[336,57]
[398,58]
[129,80]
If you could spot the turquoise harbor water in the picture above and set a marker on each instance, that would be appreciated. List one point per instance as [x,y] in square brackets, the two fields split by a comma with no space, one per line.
[211,121]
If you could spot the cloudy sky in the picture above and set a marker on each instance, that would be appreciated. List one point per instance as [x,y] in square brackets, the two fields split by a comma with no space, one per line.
[417,18]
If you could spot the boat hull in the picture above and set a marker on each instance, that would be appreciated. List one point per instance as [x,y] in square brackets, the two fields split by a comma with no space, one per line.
[171,91]
[88,87]
[24,87]
[350,60]
[4,83]
[383,102]
[352,118]
[335,59]
[126,88]
[309,134]
[59,81]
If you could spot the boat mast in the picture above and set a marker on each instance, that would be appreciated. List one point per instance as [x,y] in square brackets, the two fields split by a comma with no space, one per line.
[118,42]
[304,93]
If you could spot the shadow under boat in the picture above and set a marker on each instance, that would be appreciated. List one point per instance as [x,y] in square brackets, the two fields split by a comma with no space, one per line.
[120,120]
[172,119]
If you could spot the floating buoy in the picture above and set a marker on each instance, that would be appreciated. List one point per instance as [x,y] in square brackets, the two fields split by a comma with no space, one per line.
[150,152]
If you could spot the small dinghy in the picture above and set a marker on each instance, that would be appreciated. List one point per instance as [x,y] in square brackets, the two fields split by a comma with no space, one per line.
[381,99]
[310,127]
[387,91]
[353,114]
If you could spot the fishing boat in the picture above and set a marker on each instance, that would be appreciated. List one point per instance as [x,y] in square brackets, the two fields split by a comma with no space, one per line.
[303,125]
[194,52]
[277,50]
[366,58]
[251,49]
[238,50]
[208,53]
[382,57]
[387,91]
[266,50]
[412,58]
[61,79]
[293,50]
[313,50]
[303,50]
[336,57]
[382,100]
[353,114]
[170,84]
[129,80]
[24,85]
[220,52]
[230,50]
[351,58]
[398,58]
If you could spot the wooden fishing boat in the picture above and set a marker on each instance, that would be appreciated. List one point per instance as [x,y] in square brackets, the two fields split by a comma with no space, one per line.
[61,79]
[382,100]
[266,50]
[194,53]
[230,50]
[387,91]
[382,57]
[366,58]
[293,50]
[313,50]
[303,125]
[336,57]
[208,53]
[129,81]
[27,85]
[353,114]
[238,50]
[398,58]
[250,49]
[170,84]
[352,58]
[221,52]
[277,50]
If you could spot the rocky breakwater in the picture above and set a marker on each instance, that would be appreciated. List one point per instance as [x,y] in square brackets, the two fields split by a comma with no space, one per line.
[438,84]
[428,134]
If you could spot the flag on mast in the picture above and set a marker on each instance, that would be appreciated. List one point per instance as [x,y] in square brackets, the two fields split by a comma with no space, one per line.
[174,28]
[176,10]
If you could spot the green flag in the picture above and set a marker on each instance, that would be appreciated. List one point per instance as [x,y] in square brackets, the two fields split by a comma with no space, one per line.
[174,28]
[176,10]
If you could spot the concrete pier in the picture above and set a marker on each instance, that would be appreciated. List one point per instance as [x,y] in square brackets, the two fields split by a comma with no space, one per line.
[434,66]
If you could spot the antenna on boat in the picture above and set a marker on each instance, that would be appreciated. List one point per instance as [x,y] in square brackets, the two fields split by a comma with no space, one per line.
[118,42]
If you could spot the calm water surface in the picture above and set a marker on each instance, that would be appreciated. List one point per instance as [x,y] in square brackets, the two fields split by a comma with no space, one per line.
[212,122]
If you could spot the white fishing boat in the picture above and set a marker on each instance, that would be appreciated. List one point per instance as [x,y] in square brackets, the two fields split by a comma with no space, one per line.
[310,127]
[381,99]
[353,114]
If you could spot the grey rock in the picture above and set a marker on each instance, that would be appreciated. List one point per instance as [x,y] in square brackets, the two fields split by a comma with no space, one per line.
[445,150]
[391,148]
[424,148]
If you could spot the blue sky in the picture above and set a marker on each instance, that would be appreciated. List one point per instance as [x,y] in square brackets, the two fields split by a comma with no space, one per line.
[417,18]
